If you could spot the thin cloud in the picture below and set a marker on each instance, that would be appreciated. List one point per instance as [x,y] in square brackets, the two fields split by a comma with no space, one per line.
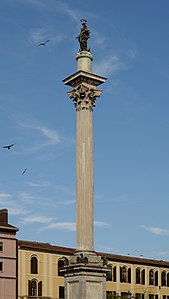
[37,219]
[39,185]
[156,230]
[132,53]
[5,198]
[101,224]
[7,201]
[65,189]
[57,6]
[99,39]
[110,65]
[117,199]
[50,136]
[67,226]
[71,226]
[162,254]
[30,199]
[18,211]
[67,202]
[38,35]
[66,9]
[106,248]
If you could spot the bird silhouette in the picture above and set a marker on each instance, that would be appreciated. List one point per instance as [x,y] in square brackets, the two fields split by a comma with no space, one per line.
[8,146]
[44,44]
[24,171]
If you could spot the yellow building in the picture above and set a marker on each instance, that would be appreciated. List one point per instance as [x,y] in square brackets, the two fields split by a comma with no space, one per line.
[39,273]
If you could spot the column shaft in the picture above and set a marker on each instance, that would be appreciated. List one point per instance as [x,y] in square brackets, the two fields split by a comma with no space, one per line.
[84,181]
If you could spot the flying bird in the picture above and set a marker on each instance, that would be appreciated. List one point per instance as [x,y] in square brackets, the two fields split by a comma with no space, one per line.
[44,44]
[24,171]
[8,146]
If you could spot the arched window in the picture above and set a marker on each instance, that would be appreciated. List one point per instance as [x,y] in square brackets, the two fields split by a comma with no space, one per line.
[123,274]
[114,274]
[156,278]
[32,288]
[151,277]
[34,265]
[129,275]
[40,288]
[138,276]
[60,266]
[143,276]
[167,279]
[163,279]
[109,274]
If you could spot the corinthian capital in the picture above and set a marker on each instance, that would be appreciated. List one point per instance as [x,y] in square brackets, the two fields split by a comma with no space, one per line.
[84,97]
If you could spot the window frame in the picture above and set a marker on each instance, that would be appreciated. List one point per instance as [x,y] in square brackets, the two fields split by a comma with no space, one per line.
[1,266]
[34,265]
[1,246]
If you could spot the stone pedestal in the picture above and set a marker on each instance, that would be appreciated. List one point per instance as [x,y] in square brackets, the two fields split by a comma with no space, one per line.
[85,283]
[85,277]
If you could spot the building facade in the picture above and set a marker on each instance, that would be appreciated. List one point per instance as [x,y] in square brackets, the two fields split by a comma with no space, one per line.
[8,258]
[39,274]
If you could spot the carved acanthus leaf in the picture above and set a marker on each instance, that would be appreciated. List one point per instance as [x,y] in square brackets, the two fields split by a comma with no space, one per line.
[84,97]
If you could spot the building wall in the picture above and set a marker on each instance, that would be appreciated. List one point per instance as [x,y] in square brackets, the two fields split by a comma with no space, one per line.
[8,273]
[48,274]
[8,258]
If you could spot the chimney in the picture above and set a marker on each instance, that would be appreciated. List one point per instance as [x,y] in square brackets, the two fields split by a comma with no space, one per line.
[3,216]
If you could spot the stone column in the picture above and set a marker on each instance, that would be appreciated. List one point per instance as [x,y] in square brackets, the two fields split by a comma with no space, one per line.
[84,95]
[84,181]
[84,164]
[85,272]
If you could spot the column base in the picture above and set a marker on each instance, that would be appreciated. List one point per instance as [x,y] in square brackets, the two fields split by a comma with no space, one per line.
[85,277]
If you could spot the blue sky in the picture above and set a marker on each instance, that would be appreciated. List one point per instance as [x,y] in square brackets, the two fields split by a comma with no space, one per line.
[130,46]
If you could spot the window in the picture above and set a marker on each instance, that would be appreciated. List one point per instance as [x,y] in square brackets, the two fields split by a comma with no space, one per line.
[114,273]
[109,274]
[156,279]
[138,276]
[139,296]
[143,276]
[123,274]
[1,246]
[34,265]
[163,279]
[40,288]
[32,288]
[151,278]
[1,266]
[60,266]
[129,275]
[109,295]
[167,279]
[61,292]
[126,295]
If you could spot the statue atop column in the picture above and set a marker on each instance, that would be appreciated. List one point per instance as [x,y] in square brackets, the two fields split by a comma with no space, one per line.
[84,36]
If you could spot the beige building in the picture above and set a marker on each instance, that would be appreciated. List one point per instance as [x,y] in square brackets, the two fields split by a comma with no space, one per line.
[39,273]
